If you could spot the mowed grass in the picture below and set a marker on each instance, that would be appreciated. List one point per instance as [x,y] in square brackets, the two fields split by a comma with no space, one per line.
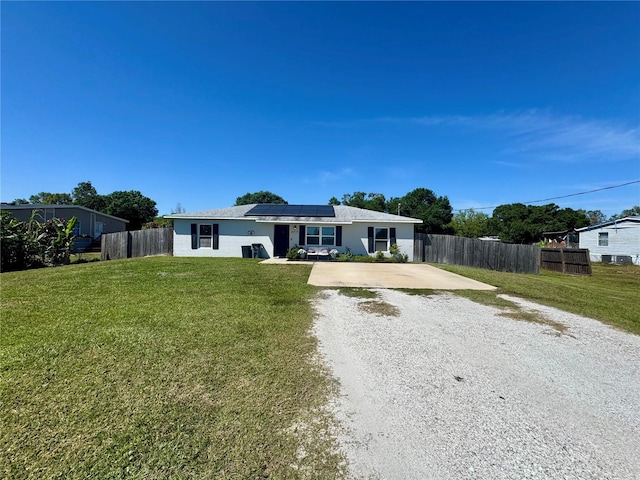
[162,368]
[611,294]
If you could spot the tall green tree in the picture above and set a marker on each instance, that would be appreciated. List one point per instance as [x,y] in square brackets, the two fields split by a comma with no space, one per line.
[511,223]
[260,197]
[131,205]
[434,211]
[355,199]
[86,195]
[519,223]
[48,198]
[595,216]
[368,201]
[334,201]
[630,212]
[469,223]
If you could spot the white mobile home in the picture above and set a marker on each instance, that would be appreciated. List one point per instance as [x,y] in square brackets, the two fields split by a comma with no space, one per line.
[615,241]
[229,232]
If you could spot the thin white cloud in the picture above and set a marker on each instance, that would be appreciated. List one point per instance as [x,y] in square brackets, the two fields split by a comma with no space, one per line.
[323,177]
[533,134]
[550,137]
[512,164]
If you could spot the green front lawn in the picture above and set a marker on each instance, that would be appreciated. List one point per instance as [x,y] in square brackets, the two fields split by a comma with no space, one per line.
[195,368]
[611,294]
[162,368]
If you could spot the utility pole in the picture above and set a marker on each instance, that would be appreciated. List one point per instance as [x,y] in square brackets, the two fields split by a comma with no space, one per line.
[399,209]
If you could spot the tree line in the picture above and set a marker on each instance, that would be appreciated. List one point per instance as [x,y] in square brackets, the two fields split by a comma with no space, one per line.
[422,203]
[512,223]
[130,205]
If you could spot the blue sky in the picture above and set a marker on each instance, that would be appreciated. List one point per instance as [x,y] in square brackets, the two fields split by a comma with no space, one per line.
[198,103]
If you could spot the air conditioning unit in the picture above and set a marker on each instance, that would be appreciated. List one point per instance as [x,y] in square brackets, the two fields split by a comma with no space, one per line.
[617,259]
[623,259]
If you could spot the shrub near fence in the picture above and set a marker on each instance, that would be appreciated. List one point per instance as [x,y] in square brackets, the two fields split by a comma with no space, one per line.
[139,243]
[471,252]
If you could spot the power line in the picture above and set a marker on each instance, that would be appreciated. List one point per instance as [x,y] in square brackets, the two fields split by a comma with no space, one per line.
[563,196]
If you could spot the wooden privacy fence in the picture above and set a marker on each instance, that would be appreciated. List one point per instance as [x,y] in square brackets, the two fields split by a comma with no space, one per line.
[471,252]
[566,260]
[139,243]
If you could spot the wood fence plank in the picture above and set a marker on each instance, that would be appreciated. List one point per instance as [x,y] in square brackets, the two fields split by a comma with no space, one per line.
[139,243]
[452,250]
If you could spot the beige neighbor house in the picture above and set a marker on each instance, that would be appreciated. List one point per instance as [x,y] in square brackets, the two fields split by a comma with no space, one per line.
[615,241]
[91,224]
[275,228]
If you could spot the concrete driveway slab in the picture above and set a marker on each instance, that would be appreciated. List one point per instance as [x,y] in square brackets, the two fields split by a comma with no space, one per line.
[390,275]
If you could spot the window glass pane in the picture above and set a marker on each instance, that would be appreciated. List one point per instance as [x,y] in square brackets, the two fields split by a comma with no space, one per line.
[205,242]
[327,240]
[313,241]
[603,239]
[381,245]
[205,229]
[327,231]
[313,230]
[381,234]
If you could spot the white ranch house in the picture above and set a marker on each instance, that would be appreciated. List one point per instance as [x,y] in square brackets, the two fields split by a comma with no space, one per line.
[615,241]
[224,232]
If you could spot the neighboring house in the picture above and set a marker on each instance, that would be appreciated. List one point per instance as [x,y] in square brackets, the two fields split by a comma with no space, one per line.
[615,241]
[225,231]
[90,222]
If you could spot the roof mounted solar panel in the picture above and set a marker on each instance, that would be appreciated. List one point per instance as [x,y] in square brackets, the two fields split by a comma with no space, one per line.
[325,211]
[283,210]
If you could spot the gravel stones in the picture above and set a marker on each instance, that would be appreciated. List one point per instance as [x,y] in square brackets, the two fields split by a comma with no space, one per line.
[448,388]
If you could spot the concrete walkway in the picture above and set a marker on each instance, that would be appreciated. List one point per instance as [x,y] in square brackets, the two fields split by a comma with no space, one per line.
[390,275]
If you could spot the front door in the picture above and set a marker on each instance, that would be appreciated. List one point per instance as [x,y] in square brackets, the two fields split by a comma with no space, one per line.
[280,240]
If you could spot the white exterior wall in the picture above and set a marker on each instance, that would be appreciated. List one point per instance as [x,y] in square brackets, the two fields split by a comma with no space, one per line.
[624,239]
[356,237]
[233,234]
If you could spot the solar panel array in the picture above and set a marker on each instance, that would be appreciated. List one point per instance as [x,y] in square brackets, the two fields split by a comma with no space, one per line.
[281,210]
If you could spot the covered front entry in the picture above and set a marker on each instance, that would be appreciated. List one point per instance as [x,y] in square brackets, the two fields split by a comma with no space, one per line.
[280,240]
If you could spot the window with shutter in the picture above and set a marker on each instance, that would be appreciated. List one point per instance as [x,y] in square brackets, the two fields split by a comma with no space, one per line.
[381,239]
[205,235]
[321,235]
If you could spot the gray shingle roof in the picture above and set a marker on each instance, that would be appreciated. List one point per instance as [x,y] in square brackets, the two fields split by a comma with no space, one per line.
[344,214]
[609,222]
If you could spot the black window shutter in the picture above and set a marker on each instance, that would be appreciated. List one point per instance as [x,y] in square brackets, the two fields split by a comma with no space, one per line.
[339,236]
[372,247]
[215,236]
[392,233]
[303,235]
[194,236]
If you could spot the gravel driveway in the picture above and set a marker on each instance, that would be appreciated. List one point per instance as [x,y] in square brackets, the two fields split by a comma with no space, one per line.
[440,387]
